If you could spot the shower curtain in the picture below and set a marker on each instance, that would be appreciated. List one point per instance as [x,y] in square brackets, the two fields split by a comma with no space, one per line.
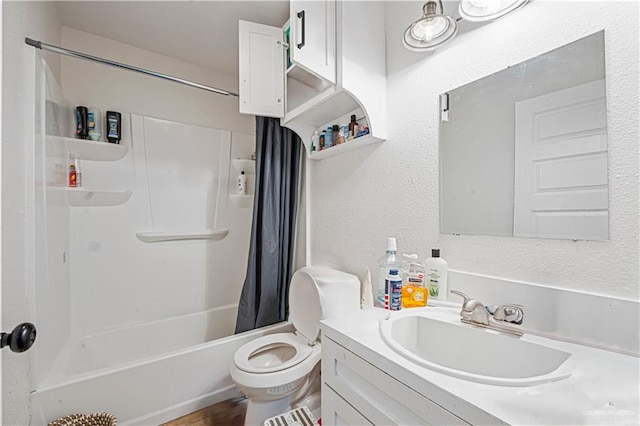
[264,298]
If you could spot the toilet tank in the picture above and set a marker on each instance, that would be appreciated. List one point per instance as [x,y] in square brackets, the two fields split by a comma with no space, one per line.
[316,293]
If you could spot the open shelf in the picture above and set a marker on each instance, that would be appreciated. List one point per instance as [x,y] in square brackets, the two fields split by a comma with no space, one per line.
[95,150]
[159,236]
[344,147]
[301,113]
[242,164]
[81,197]
[301,75]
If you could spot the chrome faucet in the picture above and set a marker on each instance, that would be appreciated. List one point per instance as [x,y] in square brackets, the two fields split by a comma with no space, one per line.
[474,312]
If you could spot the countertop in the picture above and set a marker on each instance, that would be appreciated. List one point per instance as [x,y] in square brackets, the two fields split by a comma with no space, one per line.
[602,390]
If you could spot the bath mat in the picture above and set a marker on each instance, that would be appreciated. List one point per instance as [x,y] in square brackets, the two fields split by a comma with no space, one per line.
[298,417]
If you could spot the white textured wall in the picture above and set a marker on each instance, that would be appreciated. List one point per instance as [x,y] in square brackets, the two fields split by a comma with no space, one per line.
[37,20]
[391,189]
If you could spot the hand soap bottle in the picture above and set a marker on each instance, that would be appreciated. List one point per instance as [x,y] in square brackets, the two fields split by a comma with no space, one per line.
[414,293]
[436,269]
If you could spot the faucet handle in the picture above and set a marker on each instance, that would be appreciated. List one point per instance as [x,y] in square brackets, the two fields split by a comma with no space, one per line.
[459,293]
[509,312]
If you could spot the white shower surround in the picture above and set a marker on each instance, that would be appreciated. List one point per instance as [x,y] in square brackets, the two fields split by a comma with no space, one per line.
[120,315]
[392,189]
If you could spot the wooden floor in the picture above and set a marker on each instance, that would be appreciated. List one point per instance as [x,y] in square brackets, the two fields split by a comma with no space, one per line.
[225,413]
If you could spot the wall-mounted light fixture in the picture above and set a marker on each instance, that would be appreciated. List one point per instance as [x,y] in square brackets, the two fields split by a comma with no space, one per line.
[488,10]
[432,30]
[435,29]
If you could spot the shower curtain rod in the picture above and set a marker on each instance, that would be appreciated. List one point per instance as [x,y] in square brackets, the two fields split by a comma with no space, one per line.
[80,55]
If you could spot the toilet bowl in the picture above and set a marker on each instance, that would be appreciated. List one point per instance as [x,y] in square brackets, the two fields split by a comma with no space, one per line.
[280,372]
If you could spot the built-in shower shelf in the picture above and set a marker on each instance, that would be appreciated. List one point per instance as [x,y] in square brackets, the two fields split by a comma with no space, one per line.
[95,150]
[205,234]
[244,165]
[242,200]
[81,197]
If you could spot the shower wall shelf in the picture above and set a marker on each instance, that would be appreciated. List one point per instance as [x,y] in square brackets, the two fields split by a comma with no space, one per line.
[241,200]
[95,150]
[159,236]
[81,197]
[344,147]
[244,165]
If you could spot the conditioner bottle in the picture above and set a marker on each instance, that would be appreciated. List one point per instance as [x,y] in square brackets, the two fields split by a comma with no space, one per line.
[436,269]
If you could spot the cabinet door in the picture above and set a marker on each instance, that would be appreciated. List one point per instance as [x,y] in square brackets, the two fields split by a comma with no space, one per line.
[261,70]
[313,36]
[337,412]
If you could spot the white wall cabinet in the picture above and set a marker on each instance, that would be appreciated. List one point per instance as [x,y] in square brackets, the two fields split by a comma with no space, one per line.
[337,69]
[261,70]
[313,37]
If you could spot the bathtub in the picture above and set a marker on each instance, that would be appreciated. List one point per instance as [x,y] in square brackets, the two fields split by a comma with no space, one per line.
[149,373]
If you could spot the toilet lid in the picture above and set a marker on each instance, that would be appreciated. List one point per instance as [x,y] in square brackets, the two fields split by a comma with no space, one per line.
[305,309]
[271,353]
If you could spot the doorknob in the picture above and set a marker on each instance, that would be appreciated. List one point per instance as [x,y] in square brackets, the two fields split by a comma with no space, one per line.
[20,339]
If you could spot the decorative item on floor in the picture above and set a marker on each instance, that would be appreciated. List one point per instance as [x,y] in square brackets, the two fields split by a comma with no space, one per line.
[95,419]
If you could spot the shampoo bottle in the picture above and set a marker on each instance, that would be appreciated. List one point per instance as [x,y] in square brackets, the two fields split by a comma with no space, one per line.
[389,261]
[114,126]
[242,183]
[72,180]
[436,269]
[315,141]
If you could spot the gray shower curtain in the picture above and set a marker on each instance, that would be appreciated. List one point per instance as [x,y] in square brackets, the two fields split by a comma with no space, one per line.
[264,298]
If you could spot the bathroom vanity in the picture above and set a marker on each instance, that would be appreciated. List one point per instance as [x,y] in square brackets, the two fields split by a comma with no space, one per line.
[365,381]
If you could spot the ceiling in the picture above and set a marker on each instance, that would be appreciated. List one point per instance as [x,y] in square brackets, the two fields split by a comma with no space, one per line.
[204,33]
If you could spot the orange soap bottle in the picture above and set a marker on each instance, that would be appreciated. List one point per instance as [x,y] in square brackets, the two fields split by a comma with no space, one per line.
[414,293]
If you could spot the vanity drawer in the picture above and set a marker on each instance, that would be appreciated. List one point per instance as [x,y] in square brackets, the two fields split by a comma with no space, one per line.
[374,394]
[337,412]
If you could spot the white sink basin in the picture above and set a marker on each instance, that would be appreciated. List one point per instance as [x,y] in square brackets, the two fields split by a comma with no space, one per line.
[450,347]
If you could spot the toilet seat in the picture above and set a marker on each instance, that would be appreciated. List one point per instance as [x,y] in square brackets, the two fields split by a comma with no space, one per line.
[269,343]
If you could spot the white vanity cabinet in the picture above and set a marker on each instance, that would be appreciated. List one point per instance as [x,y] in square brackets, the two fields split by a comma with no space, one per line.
[355,392]
[325,64]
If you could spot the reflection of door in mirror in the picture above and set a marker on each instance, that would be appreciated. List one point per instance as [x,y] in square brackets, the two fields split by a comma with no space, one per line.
[561,164]
[523,151]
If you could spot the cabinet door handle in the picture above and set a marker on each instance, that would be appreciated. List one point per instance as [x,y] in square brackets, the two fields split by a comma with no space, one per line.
[301,17]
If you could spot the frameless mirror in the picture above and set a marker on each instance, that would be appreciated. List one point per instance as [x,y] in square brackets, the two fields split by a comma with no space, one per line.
[523,152]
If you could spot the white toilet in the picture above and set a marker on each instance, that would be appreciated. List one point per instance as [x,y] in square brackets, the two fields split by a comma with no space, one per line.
[281,372]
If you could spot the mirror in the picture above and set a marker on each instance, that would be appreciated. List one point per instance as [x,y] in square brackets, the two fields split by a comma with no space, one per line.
[523,152]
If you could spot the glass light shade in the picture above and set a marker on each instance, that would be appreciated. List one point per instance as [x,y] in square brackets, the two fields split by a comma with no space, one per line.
[488,10]
[429,32]
[429,28]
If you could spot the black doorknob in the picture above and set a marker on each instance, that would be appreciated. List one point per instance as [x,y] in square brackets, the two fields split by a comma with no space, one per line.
[20,339]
